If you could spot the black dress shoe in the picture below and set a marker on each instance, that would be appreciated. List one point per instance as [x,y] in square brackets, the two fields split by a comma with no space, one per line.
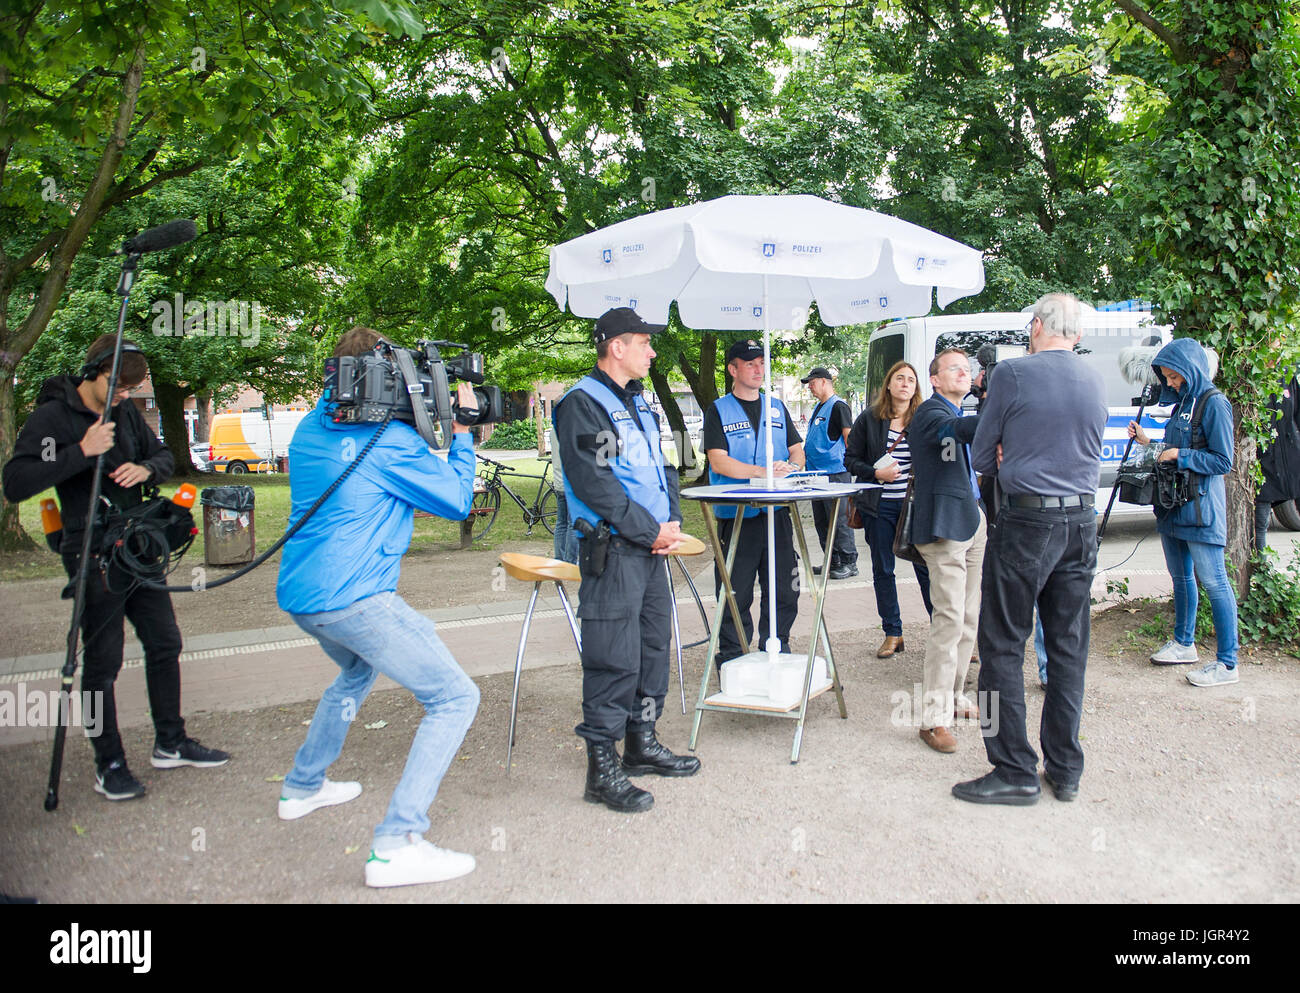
[608,784]
[1064,792]
[844,570]
[643,753]
[992,789]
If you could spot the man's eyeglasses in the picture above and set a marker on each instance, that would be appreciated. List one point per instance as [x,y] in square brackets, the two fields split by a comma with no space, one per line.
[956,368]
[129,391]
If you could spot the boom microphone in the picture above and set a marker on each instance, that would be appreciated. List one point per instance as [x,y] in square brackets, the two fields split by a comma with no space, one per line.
[162,237]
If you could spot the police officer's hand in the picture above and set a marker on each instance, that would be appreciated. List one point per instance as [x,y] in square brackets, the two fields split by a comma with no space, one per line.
[98,439]
[468,402]
[1135,431]
[670,536]
[781,468]
[129,474]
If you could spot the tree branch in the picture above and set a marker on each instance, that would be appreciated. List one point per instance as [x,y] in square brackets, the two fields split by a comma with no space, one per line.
[1177,47]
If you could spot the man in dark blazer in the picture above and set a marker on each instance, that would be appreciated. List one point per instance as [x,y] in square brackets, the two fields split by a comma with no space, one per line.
[948,529]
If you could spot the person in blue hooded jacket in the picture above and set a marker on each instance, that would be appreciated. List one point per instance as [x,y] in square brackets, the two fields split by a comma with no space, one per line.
[1194,534]
[338,580]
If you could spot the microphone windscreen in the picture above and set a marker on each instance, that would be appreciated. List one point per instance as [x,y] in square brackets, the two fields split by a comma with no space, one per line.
[1135,365]
[164,236]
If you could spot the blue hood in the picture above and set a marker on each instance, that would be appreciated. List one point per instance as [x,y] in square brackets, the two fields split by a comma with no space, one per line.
[1187,358]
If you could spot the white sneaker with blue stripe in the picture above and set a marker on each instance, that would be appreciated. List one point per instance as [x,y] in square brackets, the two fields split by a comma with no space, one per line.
[1214,674]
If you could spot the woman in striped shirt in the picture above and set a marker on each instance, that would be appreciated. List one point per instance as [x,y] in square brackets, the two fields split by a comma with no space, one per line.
[877,453]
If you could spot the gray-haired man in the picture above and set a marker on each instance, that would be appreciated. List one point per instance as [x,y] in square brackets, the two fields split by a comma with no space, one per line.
[1042,549]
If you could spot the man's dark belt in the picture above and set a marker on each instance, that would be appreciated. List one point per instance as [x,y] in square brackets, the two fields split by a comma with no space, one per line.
[628,546]
[1030,501]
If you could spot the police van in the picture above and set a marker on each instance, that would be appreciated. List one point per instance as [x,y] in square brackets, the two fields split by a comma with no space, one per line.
[1106,334]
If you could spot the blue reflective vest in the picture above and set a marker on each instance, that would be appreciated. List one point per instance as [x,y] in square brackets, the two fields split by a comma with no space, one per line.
[638,463]
[746,445]
[823,454]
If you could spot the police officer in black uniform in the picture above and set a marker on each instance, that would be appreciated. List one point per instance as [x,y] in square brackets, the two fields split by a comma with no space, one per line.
[624,504]
[735,445]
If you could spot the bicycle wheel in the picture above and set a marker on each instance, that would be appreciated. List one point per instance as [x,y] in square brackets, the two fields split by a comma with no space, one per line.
[549,507]
[483,511]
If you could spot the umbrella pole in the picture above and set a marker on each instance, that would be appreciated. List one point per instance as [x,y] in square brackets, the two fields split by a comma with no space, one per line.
[773,645]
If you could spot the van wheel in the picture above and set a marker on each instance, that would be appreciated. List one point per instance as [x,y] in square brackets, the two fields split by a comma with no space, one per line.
[236,469]
[1288,514]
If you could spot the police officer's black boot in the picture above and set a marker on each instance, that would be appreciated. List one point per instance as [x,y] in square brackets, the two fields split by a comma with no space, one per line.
[607,783]
[642,753]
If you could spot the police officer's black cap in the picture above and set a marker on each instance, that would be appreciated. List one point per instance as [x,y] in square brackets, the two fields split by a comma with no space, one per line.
[817,373]
[622,320]
[745,351]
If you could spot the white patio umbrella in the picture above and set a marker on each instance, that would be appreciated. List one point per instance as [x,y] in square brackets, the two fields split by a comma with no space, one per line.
[751,263]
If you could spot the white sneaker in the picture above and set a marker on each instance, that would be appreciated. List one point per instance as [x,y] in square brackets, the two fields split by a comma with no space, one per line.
[1172,653]
[419,862]
[330,793]
[1214,674]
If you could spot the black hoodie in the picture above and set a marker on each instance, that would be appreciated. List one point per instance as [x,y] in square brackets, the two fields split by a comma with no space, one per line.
[48,453]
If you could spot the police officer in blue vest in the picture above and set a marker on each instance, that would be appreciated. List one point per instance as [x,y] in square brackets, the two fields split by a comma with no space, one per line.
[624,504]
[828,430]
[734,431]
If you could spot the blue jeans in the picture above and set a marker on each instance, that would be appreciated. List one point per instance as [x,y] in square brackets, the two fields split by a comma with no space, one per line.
[566,536]
[1189,561]
[880,539]
[378,634]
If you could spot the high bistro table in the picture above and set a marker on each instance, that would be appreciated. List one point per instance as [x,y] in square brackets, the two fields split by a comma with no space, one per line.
[741,495]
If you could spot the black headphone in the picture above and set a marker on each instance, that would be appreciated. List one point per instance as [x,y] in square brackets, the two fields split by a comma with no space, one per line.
[91,369]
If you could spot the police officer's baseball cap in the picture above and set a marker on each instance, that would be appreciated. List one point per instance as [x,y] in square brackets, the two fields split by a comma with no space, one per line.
[818,373]
[745,351]
[622,320]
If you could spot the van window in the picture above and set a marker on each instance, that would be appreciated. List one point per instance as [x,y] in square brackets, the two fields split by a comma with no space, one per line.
[1101,346]
[882,353]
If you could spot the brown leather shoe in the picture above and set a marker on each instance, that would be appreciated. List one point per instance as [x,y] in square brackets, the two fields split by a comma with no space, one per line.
[966,711]
[889,646]
[940,739]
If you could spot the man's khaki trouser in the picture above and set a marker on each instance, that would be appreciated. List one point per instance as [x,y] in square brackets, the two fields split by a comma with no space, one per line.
[955,570]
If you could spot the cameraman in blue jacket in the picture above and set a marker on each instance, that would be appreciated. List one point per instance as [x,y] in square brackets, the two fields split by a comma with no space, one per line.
[338,579]
[1194,534]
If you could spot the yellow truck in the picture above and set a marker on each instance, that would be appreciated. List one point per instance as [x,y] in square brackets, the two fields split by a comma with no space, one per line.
[241,443]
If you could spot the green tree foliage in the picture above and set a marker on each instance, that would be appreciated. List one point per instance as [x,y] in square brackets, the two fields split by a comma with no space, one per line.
[1218,194]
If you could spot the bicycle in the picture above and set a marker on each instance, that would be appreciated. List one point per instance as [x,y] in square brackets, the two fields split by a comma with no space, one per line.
[487,498]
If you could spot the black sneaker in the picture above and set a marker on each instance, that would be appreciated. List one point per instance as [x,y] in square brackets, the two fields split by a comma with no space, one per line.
[845,570]
[117,783]
[188,752]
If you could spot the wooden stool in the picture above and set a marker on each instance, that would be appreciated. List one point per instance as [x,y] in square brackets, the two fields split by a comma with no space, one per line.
[537,570]
[690,546]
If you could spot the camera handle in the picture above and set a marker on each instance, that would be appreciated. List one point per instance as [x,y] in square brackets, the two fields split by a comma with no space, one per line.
[126,281]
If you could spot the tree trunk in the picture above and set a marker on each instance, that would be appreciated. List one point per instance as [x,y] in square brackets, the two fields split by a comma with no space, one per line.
[12,536]
[703,382]
[539,421]
[203,405]
[676,421]
[171,415]
[1239,486]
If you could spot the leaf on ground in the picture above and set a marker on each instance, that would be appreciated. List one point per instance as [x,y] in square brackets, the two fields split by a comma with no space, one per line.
[306,723]
[274,779]
[376,726]
[79,829]
[350,849]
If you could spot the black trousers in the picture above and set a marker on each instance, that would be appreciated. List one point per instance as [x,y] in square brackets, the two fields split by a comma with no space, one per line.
[626,622]
[751,562]
[103,635]
[1048,557]
[845,550]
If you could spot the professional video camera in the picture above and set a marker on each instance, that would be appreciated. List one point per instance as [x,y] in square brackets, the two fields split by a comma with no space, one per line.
[412,385]
[988,357]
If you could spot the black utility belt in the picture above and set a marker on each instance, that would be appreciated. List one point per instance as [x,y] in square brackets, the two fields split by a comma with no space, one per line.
[628,546]
[1030,501]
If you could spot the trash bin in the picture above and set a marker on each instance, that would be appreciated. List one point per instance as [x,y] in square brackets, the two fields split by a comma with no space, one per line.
[228,525]
[283,463]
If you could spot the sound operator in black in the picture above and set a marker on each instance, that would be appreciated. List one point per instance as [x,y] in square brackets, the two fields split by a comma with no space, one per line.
[57,447]
[624,503]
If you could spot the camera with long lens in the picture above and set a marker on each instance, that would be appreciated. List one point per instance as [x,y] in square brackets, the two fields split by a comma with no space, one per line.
[412,385]
[988,357]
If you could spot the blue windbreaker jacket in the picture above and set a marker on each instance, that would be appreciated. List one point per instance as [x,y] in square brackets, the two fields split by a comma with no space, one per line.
[353,545]
[1187,358]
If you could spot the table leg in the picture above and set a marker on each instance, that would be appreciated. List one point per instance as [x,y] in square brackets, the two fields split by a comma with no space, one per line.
[819,594]
[568,612]
[677,631]
[727,600]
